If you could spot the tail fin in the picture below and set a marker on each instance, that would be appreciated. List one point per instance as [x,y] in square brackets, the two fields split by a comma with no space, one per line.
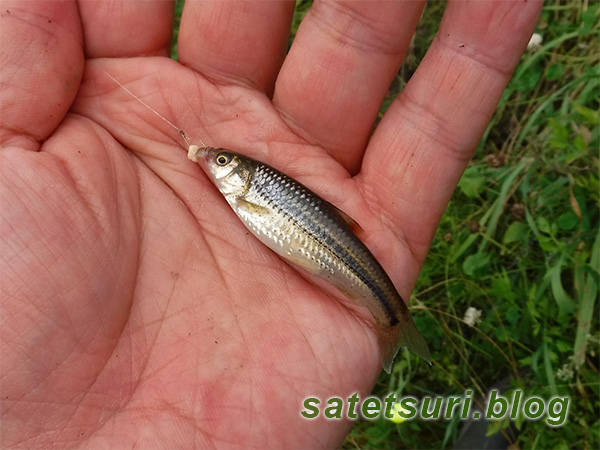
[403,334]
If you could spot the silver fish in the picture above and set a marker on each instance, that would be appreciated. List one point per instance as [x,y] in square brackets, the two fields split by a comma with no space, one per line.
[310,232]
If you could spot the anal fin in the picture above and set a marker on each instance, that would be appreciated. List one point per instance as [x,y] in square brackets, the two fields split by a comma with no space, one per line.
[353,224]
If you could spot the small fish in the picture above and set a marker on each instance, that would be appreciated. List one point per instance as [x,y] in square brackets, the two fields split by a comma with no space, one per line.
[303,228]
[310,232]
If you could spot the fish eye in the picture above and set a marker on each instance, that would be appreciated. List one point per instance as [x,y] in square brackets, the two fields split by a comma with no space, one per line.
[223,159]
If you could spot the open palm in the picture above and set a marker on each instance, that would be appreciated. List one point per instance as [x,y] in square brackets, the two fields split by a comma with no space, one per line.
[136,308]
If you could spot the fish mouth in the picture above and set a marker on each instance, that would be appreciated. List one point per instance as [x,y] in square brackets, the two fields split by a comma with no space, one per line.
[195,153]
[205,155]
[201,156]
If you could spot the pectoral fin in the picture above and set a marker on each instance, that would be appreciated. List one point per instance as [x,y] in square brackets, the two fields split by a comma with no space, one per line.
[252,207]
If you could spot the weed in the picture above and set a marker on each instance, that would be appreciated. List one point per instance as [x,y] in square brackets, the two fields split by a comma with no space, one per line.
[519,242]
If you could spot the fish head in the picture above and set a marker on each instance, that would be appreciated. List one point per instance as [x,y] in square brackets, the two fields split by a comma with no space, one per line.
[229,171]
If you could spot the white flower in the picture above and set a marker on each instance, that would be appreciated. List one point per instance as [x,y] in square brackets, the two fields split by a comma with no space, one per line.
[472,316]
[535,42]
[565,373]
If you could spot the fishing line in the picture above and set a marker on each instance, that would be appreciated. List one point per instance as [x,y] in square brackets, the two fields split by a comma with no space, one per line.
[193,150]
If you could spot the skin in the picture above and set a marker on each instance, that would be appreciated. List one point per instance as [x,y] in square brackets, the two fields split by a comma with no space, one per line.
[136,310]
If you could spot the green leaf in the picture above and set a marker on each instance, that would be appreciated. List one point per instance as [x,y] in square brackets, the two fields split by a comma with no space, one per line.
[567,221]
[500,334]
[496,425]
[555,71]
[498,207]
[563,346]
[531,302]
[529,79]
[513,314]
[549,369]
[562,445]
[474,263]
[503,288]
[525,361]
[472,183]
[516,232]
[588,19]
[543,224]
[560,134]
[588,287]
[547,244]
[591,115]
[563,300]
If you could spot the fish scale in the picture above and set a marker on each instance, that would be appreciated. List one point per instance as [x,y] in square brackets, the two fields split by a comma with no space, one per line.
[306,230]
[305,214]
[296,216]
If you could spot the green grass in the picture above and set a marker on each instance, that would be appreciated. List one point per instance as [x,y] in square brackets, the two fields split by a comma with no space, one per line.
[519,241]
[178,10]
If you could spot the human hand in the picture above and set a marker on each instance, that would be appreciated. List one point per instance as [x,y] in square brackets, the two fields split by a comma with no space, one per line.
[136,309]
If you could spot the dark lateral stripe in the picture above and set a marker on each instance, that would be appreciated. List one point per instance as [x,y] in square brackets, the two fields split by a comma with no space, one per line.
[348,257]
[349,260]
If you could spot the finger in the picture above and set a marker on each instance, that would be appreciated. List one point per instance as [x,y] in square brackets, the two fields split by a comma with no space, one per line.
[114,28]
[339,68]
[240,42]
[427,136]
[41,63]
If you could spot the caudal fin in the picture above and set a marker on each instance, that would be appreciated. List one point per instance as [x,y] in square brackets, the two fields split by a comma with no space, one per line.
[403,334]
